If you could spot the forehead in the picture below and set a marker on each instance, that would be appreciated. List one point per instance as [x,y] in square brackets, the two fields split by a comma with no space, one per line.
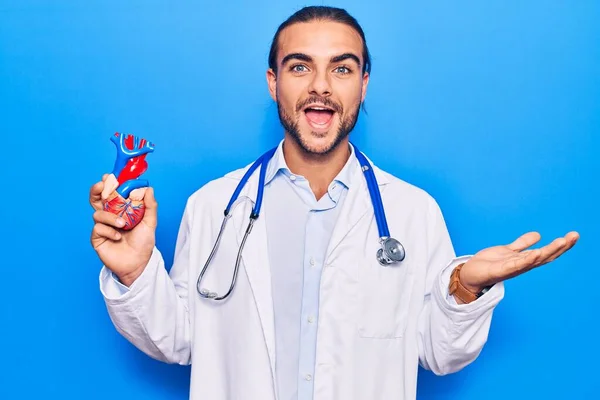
[319,39]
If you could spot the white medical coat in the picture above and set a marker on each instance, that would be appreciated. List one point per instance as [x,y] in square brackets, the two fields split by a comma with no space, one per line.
[375,323]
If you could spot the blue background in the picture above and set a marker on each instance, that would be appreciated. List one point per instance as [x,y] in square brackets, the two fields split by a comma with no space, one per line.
[493,107]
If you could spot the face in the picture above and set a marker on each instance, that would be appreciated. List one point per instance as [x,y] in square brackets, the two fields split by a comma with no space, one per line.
[319,85]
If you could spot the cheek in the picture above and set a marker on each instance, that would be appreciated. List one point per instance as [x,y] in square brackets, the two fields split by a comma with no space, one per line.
[289,92]
[132,211]
[350,94]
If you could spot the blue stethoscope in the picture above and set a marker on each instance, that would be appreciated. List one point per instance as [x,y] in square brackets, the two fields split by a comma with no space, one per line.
[391,250]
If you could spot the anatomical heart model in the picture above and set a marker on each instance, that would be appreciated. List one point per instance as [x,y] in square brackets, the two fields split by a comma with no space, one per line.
[123,192]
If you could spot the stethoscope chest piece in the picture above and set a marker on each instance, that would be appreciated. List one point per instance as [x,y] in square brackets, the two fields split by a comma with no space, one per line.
[391,251]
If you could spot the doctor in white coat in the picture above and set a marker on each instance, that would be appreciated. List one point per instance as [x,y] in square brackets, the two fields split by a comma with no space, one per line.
[313,314]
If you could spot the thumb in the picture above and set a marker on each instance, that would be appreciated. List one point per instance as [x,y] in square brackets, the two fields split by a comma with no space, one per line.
[525,241]
[151,212]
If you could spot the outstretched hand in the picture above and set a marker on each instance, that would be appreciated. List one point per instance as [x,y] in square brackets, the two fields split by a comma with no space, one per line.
[499,263]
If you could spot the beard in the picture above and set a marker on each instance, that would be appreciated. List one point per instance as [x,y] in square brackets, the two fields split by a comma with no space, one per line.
[346,125]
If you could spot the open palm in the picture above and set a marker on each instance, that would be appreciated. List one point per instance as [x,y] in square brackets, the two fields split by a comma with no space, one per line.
[499,263]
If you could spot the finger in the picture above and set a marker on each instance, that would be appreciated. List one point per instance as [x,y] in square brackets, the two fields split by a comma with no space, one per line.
[537,257]
[108,218]
[544,255]
[551,251]
[525,241]
[101,232]
[570,240]
[111,183]
[95,195]
[555,255]
[104,177]
[534,258]
[150,214]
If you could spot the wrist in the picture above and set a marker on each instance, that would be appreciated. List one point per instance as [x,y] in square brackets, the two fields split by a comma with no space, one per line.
[471,278]
[463,290]
[130,277]
[471,288]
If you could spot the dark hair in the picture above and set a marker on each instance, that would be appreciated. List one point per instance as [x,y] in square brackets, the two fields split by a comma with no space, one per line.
[320,13]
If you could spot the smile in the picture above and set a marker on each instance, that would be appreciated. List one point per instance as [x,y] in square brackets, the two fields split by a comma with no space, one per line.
[319,117]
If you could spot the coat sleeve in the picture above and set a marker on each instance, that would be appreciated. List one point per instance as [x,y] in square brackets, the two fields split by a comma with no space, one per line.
[451,335]
[153,313]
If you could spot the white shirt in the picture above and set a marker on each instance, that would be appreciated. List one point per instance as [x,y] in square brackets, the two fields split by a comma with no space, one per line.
[299,227]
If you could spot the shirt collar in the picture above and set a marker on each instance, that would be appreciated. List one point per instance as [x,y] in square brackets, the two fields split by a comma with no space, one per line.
[277,163]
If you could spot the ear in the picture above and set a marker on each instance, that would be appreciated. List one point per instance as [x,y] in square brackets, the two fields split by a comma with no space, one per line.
[272,82]
[365,83]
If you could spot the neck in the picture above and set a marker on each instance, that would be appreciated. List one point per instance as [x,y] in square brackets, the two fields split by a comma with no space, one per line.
[318,169]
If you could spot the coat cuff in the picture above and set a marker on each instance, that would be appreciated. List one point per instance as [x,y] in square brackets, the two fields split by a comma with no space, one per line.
[462,312]
[115,292]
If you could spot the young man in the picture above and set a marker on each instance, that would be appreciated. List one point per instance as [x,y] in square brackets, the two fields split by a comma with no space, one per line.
[313,314]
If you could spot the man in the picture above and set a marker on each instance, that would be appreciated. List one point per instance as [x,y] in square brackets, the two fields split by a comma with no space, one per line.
[313,314]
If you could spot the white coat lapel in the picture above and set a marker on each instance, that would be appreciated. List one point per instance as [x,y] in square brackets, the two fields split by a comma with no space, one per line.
[255,259]
[356,205]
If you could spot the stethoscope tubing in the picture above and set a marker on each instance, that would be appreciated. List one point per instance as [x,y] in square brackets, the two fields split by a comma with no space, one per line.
[263,161]
[374,193]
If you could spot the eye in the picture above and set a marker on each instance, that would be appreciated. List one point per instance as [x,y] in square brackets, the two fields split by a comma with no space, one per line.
[298,68]
[343,70]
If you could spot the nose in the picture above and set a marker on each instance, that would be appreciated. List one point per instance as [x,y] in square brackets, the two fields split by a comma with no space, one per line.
[320,84]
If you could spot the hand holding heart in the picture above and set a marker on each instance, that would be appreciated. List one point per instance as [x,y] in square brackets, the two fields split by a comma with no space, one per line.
[124,252]
[125,217]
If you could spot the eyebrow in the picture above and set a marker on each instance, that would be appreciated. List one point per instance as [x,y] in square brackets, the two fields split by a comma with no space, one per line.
[345,56]
[307,58]
[296,56]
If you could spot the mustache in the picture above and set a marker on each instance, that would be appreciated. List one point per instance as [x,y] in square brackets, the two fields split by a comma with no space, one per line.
[319,100]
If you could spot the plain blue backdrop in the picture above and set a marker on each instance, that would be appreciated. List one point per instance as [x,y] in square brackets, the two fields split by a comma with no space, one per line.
[493,107]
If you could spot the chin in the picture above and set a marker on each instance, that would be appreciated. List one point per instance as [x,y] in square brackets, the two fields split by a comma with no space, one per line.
[318,143]
[313,138]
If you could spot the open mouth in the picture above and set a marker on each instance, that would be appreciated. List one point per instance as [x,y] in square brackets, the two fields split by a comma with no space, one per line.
[318,116]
